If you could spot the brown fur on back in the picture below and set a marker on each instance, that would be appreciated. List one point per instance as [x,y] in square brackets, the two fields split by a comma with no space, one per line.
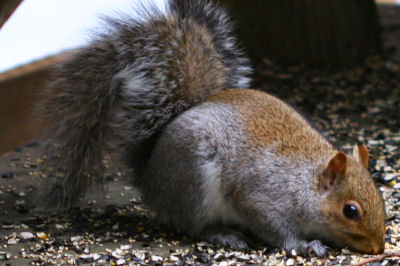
[269,121]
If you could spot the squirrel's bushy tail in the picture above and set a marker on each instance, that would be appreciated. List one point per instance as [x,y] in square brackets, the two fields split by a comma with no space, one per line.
[115,95]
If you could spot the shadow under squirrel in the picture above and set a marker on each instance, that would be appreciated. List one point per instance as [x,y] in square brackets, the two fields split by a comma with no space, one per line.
[165,94]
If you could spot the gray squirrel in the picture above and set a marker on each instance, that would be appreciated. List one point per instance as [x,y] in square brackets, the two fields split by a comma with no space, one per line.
[165,95]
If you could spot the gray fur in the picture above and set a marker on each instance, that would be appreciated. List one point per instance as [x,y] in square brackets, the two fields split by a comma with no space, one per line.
[197,141]
[117,94]
[211,135]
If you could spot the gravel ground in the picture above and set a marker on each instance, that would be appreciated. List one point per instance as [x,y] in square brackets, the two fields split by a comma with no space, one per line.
[354,105]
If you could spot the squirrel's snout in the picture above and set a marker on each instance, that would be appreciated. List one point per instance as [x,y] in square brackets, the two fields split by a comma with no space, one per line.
[378,248]
[368,245]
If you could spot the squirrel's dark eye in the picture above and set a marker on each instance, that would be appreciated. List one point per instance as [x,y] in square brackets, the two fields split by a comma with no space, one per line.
[351,212]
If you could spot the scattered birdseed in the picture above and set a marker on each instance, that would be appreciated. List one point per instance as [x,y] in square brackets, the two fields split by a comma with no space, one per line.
[32,144]
[27,235]
[8,174]
[41,235]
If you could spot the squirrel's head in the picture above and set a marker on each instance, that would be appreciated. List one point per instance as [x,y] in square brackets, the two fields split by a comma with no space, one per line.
[352,204]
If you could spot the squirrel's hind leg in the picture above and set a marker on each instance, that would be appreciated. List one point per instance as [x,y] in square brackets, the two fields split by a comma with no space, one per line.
[222,236]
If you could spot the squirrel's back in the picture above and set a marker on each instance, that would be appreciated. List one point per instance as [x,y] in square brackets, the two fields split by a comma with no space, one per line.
[121,90]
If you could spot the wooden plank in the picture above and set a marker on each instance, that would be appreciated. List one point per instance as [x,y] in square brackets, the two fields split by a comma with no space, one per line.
[387,1]
[314,32]
[20,90]
[7,7]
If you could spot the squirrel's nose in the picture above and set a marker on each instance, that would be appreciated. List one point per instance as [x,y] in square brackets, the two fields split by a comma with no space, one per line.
[378,248]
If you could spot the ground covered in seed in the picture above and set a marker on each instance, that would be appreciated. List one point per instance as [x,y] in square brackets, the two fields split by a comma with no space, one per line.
[360,104]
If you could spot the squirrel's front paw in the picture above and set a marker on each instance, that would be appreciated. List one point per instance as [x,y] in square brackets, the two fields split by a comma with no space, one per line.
[319,249]
[305,248]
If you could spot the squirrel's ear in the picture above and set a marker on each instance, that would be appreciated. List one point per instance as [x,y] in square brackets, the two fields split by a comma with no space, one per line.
[361,154]
[334,173]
